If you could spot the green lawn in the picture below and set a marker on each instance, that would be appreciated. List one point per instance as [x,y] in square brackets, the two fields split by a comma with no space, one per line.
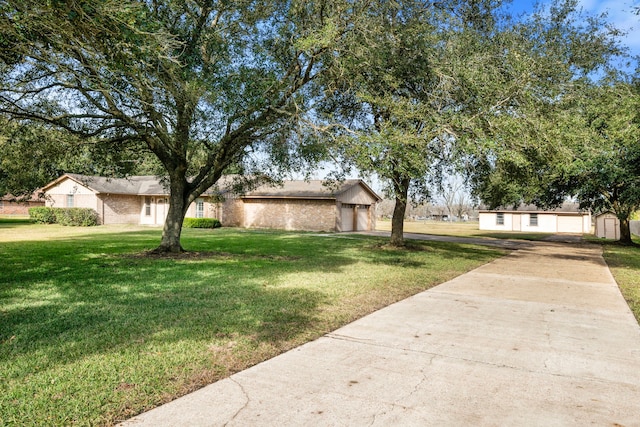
[459,229]
[93,332]
[624,263]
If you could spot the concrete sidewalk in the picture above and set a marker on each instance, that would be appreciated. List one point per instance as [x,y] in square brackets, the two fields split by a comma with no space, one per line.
[539,337]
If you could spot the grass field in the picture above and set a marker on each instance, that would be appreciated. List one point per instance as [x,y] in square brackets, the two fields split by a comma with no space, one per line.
[624,263]
[460,229]
[92,331]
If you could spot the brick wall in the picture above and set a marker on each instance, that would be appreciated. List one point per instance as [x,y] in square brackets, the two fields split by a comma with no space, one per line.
[119,209]
[231,213]
[17,208]
[287,214]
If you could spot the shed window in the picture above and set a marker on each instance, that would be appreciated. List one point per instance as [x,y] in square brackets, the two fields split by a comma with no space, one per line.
[69,200]
[199,208]
[147,206]
[500,218]
[533,220]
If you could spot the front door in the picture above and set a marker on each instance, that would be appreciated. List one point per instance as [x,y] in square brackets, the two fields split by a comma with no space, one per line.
[516,222]
[162,209]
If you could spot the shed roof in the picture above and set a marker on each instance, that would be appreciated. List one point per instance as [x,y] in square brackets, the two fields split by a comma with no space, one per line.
[565,208]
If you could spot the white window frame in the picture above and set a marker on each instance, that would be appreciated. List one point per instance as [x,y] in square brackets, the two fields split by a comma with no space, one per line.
[199,208]
[533,220]
[499,218]
[147,206]
[70,202]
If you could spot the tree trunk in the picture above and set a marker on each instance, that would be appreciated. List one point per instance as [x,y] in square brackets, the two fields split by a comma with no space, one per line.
[397,221]
[175,217]
[625,232]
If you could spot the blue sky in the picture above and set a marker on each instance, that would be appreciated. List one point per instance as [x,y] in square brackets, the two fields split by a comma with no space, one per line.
[619,12]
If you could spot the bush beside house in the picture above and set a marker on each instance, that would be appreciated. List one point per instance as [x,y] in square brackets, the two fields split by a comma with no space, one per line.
[201,223]
[78,217]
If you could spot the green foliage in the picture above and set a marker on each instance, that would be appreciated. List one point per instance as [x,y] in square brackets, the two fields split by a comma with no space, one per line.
[200,84]
[32,155]
[78,217]
[588,149]
[201,223]
[42,215]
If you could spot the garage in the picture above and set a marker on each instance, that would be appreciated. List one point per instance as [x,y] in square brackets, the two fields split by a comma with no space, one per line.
[570,224]
[354,218]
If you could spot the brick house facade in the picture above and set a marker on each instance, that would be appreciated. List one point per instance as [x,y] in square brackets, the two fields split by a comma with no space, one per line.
[10,205]
[295,205]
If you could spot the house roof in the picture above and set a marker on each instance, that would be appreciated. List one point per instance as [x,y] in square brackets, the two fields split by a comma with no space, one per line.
[138,185]
[33,197]
[565,208]
[313,189]
[151,185]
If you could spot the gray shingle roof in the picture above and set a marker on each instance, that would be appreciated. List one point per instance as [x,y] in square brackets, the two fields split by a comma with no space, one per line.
[138,185]
[314,189]
[151,185]
[567,207]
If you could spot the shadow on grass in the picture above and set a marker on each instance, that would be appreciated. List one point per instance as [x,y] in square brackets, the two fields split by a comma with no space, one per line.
[89,293]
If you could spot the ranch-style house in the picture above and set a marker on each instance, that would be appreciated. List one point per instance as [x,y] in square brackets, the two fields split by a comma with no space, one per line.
[295,205]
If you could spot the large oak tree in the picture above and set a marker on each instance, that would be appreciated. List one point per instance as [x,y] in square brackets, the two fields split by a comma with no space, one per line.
[201,83]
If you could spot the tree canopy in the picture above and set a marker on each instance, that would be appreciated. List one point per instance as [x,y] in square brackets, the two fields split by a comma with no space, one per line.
[408,88]
[456,85]
[201,83]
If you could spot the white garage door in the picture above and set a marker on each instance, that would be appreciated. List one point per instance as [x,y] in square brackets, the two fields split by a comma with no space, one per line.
[569,224]
[353,216]
[347,218]
[363,218]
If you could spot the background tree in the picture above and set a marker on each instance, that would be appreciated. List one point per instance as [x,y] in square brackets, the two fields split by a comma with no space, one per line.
[32,155]
[431,88]
[527,152]
[202,83]
[403,94]
[607,163]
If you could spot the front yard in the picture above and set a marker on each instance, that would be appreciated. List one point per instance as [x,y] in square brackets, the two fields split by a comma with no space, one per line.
[93,332]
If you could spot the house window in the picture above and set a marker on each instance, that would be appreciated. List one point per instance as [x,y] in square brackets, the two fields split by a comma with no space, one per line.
[533,220]
[500,218]
[147,206]
[69,200]
[199,208]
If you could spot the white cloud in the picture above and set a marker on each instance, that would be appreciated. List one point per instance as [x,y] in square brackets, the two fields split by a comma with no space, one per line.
[621,15]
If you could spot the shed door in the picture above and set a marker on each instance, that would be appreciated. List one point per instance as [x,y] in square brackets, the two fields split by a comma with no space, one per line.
[610,228]
[569,224]
[347,217]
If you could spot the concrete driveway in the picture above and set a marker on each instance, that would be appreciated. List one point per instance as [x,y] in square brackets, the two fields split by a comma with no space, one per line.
[539,337]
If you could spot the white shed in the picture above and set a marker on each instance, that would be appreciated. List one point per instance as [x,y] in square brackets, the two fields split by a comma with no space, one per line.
[608,226]
[566,219]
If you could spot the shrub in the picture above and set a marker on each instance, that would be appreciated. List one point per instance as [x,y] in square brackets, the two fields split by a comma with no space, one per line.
[201,223]
[79,217]
[42,215]
[82,217]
